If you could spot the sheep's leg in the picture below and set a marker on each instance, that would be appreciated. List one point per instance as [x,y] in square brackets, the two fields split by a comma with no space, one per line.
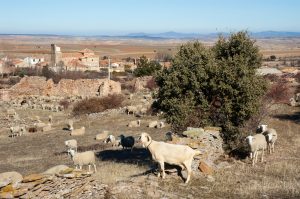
[251,155]
[162,168]
[254,157]
[89,168]
[95,167]
[80,167]
[189,170]
[262,155]
[159,169]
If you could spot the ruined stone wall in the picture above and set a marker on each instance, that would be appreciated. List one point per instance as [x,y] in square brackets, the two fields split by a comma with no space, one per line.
[82,87]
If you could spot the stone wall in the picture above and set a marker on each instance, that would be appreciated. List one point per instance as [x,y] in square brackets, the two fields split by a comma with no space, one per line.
[66,87]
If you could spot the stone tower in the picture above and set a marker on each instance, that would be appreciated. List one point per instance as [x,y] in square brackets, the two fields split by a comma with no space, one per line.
[56,55]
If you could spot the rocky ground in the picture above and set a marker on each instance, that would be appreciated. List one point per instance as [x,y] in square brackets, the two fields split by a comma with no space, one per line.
[125,174]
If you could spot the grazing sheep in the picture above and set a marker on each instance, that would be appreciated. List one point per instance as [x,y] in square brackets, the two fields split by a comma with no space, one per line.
[78,132]
[256,142]
[84,158]
[71,144]
[131,109]
[134,123]
[101,136]
[70,125]
[112,139]
[160,125]
[126,142]
[17,131]
[152,124]
[162,152]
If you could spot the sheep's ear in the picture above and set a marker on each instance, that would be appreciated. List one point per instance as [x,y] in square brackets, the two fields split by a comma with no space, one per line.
[148,138]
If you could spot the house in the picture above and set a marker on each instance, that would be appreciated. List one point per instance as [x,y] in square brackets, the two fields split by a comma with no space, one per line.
[32,61]
[81,60]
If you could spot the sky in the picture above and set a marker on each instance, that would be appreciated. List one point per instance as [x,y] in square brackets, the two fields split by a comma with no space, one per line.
[119,17]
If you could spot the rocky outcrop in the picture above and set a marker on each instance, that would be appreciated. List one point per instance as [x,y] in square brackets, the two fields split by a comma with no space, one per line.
[208,141]
[66,87]
[69,184]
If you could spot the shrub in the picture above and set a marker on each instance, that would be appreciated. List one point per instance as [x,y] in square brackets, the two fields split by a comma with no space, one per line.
[213,86]
[151,84]
[146,67]
[95,104]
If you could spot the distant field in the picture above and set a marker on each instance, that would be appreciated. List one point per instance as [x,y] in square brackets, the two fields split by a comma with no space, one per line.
[22,46]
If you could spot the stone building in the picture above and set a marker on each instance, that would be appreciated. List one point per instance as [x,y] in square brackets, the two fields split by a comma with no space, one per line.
[76,61]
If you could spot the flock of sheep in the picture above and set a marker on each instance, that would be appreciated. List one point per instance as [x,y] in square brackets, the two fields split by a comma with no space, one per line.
[264,140]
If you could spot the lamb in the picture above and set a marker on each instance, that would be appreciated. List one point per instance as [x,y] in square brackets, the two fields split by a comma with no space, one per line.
[84,158]
[78,132]
[101,136]
[134,123]
[152,124]
[112,139]
[271,136]
[50,119]
[162,152]
[131,109]
[256,142]
[127,142]
[71,144]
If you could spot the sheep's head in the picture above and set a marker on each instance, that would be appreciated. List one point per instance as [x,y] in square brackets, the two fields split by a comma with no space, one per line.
[71,152]
[145,139]
[269,137]
[249,139]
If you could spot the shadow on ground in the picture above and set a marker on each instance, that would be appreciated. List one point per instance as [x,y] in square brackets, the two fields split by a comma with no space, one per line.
[295,117]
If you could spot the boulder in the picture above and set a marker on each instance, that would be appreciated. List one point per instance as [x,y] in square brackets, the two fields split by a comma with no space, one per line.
[205,168]
[10,177]
[56,169]
[193,132]
[33,177]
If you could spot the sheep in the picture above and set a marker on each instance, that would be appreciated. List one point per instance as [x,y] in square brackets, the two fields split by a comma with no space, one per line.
[17,131]
[131,109]
[127,142]
[134,123]
[78,132]
[271,136]
[256,142]
[84,158]
[71,144]
[70,125]
[46,128]
[101,136]
[152,124]
[40,124]
[112,139]
[160,125]
[162,152]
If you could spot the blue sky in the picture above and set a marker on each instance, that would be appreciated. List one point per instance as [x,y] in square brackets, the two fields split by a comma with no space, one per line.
[115,17]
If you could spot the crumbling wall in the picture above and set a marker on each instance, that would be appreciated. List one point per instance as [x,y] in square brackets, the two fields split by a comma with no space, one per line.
[35,85]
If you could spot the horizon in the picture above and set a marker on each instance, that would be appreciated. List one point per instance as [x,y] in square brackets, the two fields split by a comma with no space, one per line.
[115,18]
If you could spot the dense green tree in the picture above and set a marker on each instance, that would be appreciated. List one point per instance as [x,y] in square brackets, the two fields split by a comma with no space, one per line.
[146,67]
[212,86]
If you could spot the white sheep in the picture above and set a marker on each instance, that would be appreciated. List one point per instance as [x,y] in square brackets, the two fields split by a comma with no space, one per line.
[84,158]
[271,136]
[162,152]
[256,143]
[112,139]
[101,136]
[78,132]
[136,123]
[152,124]
[17,131]
[50,119]
[160,125]
[71,144]
[131,109]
